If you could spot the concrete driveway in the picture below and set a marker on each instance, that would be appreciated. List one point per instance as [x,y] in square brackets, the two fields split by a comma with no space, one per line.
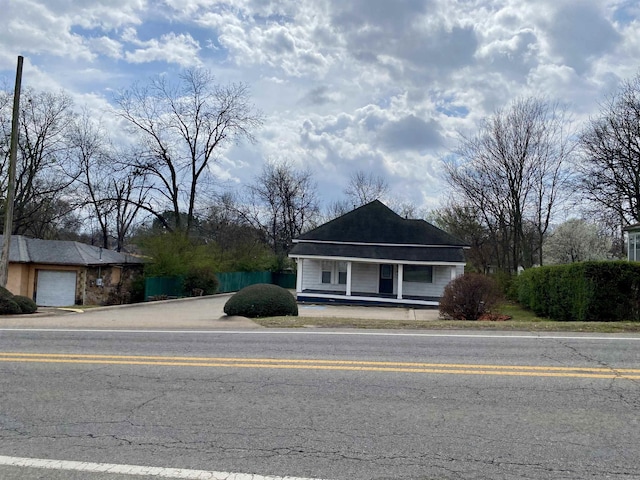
[190,313]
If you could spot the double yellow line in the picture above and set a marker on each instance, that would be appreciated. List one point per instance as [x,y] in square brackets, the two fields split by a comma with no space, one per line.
[319,364]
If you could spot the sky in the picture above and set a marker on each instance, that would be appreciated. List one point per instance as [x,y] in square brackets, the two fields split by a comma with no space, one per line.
[381,86]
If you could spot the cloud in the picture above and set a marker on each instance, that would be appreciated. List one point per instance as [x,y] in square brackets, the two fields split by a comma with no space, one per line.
[321,95]
[411,133]
[171,48]
[579,31]
[380,85]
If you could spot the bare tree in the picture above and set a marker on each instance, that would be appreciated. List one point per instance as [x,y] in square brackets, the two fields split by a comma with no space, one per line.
[282,203]
[513,172]
[43,170]
[90,152]
[464,222]
[610,166]
[108,185]
[365,187]
[183,127]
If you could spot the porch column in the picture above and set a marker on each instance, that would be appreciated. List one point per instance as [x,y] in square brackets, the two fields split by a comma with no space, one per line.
[299,275]
[348,279]
[400,279]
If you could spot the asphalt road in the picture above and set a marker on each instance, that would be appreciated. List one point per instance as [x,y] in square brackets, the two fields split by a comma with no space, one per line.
[321,404]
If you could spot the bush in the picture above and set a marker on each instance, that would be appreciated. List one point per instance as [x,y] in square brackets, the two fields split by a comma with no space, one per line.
[4,293]
[262,300]
[8,306]
[586,291]
[200,280]
[26,304]
[470,296]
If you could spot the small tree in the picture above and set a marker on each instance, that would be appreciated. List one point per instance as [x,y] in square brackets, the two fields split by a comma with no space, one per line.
[470,296]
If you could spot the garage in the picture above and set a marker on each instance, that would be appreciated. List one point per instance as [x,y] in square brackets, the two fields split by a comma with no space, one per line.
[56,288]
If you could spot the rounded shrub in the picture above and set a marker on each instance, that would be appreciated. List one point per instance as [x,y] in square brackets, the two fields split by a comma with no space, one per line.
[8,306]
[469,297]
[262,300]
[4,293]
[26,304]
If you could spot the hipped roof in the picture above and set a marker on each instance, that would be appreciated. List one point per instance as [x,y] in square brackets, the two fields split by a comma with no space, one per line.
[374,231]
[375,223]
[63,252]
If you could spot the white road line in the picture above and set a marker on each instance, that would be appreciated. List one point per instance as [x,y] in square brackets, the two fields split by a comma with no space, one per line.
[178,473]
[530,336]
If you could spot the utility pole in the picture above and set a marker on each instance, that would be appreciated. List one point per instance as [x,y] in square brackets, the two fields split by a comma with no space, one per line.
[8,209]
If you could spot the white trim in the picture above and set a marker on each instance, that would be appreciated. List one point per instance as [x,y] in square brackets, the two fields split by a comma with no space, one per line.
[378,260]
[371,299]
[299,277]
[349,279]
[400,279]
[368,244]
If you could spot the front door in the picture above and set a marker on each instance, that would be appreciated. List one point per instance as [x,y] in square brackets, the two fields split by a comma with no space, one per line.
[386,279]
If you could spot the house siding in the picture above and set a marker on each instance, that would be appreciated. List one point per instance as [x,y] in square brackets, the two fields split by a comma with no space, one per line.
[442,275]
[365,279]
[312,277]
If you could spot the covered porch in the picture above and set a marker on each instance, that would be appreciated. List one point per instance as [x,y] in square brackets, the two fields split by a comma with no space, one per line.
[373,281]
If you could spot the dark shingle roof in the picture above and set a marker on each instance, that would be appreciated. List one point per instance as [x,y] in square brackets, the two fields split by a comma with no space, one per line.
[378,224]
[374,231]
[62,252]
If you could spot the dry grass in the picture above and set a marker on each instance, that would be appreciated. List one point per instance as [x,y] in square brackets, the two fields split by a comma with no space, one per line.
[522,320]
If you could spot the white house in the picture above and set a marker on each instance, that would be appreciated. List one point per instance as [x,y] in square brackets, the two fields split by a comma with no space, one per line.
[633,236]
[373,256]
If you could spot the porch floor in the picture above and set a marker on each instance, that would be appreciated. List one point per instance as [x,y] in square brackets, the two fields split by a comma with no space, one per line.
[366,298]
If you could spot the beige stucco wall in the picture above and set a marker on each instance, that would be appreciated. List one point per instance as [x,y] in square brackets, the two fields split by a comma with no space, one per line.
[18,279]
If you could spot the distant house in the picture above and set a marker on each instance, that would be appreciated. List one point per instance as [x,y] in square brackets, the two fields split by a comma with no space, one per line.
[62,273]
[371,255]
[633,236]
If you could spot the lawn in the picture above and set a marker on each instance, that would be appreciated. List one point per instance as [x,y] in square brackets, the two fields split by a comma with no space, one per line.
[521,320]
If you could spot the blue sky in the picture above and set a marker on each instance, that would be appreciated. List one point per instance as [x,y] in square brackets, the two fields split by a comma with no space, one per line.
[385,86]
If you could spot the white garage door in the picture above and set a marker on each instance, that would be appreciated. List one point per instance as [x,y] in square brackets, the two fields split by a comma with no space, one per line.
[56,288]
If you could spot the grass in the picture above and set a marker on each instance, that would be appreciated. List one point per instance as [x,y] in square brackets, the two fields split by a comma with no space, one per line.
[521,320]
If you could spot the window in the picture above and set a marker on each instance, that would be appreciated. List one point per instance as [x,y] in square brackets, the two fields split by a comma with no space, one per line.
[634,246]
[386,272]
[418,273]
[342,273]
[327,268]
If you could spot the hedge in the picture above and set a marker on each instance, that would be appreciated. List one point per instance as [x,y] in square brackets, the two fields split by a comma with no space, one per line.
[587,291]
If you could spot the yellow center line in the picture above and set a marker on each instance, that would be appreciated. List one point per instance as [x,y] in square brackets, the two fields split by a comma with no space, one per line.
[311,361]
[319,364]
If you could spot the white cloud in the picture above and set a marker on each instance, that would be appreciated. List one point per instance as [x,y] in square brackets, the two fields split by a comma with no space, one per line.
[380,85]
[171,48]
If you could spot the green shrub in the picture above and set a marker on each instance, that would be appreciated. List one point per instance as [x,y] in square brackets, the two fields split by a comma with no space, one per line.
[4,293]
[470,296]
[586,291]
[8,306]
[508,284]
[136,289]
[200,280]
[26,304]
[262,300]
